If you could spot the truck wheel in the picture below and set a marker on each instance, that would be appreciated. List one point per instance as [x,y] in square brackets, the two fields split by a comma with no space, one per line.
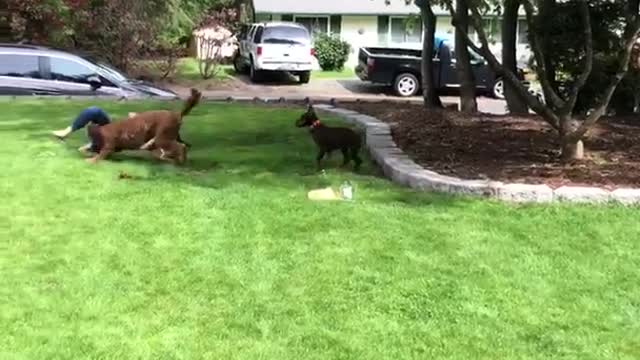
[497,91]
[305,76]
[406,85]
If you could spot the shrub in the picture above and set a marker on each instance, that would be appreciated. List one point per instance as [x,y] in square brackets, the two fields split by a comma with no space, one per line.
[331,52]
[212,38]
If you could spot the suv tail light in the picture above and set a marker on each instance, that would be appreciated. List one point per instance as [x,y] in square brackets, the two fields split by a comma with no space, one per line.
[313,52]
[370,64]
[259,50]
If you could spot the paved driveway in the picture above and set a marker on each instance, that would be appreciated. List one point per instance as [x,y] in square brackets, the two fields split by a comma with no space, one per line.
[287,86]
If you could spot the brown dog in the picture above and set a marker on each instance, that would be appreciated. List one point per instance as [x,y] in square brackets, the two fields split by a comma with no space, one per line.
[150,130]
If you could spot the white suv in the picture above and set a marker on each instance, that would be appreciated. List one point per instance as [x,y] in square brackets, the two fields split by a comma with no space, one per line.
[275,46]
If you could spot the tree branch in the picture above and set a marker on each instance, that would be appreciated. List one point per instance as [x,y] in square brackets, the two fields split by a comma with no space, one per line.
[631,33]
[541,68]
[588,66]
[495,65]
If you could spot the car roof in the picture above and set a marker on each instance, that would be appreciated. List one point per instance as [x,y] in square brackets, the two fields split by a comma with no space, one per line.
[278,23]
[36,50]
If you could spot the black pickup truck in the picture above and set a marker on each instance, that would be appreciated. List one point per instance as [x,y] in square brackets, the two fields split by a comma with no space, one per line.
[401,68]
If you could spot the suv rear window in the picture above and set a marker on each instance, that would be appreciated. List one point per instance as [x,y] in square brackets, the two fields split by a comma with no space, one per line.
[19,65]
[285,35]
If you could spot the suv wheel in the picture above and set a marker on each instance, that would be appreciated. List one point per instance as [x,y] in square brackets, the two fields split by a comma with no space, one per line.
[238,66]
[406,85]
[497,91]
[305,76]
[254,74]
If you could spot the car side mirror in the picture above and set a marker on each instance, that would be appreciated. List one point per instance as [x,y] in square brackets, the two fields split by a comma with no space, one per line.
[95,82]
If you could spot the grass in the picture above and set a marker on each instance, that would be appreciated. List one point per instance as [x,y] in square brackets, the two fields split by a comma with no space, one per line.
[346,73]
[227,259]
[187,70]
[188,73]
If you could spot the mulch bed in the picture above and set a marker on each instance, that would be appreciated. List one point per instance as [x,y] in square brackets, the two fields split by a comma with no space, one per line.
[511,149]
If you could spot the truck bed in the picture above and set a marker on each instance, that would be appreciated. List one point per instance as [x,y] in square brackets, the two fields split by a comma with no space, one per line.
[392,52]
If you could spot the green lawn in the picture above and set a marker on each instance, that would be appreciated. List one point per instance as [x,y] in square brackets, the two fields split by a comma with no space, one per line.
[188,70]
[187,73]
[227,259]
[346,73]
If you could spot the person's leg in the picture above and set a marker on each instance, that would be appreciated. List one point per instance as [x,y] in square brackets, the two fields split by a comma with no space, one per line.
[91,114]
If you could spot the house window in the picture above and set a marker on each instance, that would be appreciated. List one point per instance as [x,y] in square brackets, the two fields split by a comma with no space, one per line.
[523,32]
[406,30]
[314,24]
[264,17]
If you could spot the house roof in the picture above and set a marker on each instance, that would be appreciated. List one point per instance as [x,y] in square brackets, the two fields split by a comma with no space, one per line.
[340,7]
[346,7]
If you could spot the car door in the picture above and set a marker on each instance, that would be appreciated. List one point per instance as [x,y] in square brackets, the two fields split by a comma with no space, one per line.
[21,74]
[72,78]
[448,73]
[482,73]
[246,50]
[256,41]
[242,38]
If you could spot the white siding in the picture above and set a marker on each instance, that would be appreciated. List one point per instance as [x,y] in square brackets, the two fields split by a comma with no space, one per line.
[443,26]
[362,30]
[359,31]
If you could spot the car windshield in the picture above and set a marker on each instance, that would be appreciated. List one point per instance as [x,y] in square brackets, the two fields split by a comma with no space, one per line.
[117,75]
[285,35]
[108,70]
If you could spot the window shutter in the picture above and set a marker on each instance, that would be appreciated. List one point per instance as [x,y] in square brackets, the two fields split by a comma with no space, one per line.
[383,30]
[287,17]
[336,25]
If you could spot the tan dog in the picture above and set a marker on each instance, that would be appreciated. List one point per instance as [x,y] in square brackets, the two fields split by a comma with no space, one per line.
[150,130]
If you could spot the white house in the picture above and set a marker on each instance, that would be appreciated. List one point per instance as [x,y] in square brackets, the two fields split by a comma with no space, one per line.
[389,23]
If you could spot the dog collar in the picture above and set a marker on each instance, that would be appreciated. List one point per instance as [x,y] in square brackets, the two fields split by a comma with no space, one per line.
[315,124]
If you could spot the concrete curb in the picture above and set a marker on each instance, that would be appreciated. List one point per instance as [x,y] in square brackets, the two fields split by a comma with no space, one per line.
[397,166]
[333,100]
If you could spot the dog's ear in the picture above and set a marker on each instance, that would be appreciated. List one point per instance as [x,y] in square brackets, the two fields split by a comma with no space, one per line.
[311,110]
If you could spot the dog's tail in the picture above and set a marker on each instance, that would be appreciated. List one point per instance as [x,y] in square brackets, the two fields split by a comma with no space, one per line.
[191,102]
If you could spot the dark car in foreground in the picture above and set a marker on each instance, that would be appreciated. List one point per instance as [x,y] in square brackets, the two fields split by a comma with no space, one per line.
[37,70]
[401,68]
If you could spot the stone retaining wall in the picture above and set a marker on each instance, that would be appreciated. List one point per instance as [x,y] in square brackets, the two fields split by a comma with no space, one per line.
[397,166]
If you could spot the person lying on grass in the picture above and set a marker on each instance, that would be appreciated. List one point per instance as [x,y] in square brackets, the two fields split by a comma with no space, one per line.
[92,115]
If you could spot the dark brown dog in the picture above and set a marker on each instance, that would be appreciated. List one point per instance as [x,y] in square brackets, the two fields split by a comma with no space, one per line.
[157,131]
[329,138]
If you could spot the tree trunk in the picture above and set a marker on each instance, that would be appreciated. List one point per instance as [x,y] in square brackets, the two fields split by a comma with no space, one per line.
[516,104]
[429,91]
[468,102]
[571,148]
[546,15]
[242,13]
